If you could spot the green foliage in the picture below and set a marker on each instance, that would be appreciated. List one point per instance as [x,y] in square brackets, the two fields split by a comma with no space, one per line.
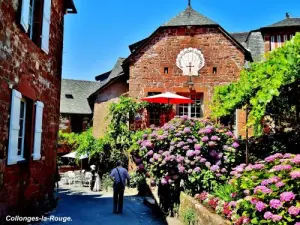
[137,179]
[106,181]
[66,138]
[260,84]
[279,142]
[117,141]
[189,217]
[86,143]
[120,114]
[224,192]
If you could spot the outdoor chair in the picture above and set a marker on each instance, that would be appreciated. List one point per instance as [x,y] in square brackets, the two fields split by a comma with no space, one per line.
[86,181]
[64,178]
[71,177]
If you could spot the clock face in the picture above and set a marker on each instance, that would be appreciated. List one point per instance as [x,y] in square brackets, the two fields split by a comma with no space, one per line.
[190,61]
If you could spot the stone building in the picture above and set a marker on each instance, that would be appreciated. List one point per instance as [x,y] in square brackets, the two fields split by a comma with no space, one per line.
[189,55]
[31,45]
[76,105]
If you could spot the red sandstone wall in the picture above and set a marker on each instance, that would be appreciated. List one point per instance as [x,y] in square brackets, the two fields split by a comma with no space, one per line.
[146,68]
[36,75]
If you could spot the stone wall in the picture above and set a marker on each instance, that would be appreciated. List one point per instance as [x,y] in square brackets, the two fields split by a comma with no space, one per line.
[256,45]
[37,75]
[202,214]
[68,121]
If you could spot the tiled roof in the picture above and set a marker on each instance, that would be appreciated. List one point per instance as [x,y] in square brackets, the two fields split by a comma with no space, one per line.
[77,91]
[241,37]
[189,17]
[115,72]
[288,22]
[105,78]
[134,46]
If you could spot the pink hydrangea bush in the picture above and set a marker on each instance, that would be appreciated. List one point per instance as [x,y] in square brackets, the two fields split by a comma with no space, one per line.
[197,152]
[266,192]
[270,190]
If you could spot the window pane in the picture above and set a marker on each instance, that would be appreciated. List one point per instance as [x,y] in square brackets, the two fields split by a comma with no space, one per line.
[21,128]
[20,143]
[22,109]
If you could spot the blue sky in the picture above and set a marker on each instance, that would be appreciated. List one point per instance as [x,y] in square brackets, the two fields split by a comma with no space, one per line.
[102,30]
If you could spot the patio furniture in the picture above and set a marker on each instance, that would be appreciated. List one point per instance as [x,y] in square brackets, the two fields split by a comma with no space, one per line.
[86,179]
[64,178]
[71,177]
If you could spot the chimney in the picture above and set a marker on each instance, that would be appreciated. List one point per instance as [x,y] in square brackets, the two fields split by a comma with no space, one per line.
[287,15]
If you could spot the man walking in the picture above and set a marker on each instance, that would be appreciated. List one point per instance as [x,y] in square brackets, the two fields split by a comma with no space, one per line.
[119,175]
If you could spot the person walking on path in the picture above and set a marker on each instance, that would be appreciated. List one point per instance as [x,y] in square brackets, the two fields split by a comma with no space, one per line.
[119,175]
[93,177]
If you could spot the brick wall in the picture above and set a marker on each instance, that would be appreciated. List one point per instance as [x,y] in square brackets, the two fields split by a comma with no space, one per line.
[147,66]
[37,75]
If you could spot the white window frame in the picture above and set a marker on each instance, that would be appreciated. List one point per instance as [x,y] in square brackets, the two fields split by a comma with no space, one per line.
[38,130]
[279,41]
[25,14]
[14,128]
[285,38]
[46,23]
[273,43]
[31,19]
[23,121]
[187,108]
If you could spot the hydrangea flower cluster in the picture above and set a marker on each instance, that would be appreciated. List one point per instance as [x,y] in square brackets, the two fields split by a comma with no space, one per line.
[188,147]
[272,189]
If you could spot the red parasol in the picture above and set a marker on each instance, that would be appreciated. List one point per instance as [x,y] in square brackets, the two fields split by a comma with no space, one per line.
[168,98]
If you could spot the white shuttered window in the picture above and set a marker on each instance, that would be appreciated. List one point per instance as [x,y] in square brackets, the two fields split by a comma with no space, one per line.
[38,130]
[46,26]
[15,147]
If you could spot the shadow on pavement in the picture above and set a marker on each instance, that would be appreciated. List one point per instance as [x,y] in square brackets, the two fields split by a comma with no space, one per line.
[94,208]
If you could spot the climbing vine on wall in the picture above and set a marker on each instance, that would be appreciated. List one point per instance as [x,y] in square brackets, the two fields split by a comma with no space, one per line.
[260,84]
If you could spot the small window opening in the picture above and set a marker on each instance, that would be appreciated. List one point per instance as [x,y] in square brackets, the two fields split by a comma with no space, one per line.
[166,70]
[69,96]
[214,70]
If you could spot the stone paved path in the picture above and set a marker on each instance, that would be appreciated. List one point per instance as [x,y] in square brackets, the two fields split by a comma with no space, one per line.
[89,208]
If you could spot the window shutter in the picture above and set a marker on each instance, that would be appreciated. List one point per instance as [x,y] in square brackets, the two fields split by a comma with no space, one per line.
[14,128]
[46,26]
[25,12]
[38,130]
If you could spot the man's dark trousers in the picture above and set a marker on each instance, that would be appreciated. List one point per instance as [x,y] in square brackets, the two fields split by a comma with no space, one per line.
[118,199]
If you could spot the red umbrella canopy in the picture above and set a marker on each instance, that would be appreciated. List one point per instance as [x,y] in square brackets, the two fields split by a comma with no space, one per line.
[168,98]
